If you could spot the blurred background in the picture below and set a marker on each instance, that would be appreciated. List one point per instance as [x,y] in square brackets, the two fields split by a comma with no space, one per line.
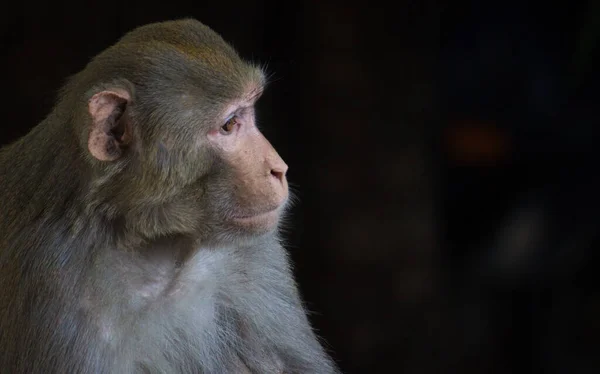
[444,156]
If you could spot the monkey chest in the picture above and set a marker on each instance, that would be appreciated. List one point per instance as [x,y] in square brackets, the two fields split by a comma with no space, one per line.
[154,310]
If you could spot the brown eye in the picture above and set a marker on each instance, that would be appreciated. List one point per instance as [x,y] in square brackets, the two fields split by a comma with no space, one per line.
[229,126]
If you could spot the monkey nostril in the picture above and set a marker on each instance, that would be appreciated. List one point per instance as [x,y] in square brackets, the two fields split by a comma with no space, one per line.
[277,174]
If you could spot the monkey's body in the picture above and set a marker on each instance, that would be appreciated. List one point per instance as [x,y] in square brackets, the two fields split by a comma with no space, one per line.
[131,262]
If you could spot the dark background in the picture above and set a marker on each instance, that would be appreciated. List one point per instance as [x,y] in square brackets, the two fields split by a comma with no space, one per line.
[444,156]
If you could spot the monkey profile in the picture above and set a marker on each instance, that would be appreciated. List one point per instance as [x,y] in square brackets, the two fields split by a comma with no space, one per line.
[139,221]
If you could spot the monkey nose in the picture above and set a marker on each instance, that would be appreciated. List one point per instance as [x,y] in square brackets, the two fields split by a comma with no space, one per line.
[279,171]
[278,168]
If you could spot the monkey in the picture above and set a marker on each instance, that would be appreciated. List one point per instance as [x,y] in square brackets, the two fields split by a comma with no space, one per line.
[140,221]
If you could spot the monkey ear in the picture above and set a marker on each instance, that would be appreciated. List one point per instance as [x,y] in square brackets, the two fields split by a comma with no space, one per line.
[110,131]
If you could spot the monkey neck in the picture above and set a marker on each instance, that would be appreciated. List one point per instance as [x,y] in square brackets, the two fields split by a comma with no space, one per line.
[39,175]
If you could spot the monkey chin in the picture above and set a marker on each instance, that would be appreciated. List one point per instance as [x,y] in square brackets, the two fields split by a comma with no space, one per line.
[259,223]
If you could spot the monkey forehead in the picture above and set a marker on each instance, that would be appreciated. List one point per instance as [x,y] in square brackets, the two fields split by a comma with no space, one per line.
[205,72]
[193,55]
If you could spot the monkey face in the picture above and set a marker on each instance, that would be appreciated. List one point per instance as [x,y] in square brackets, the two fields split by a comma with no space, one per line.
[256,188]
[229,177]
[258,174]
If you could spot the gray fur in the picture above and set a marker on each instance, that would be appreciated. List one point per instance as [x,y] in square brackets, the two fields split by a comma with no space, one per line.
[125,267]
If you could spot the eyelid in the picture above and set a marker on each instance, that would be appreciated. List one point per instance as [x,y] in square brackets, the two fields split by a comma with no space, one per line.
[241,113]
[229,117]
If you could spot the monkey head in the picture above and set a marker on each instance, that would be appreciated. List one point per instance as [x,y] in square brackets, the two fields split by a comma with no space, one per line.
[170,137]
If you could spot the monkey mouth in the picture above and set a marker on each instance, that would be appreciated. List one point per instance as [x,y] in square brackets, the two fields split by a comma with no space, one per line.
[264,218]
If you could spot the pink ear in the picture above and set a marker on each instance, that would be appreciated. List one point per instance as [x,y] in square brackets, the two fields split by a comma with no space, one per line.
[109,132]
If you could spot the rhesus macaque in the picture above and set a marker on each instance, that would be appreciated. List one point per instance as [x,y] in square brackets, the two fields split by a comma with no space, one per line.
[138,228]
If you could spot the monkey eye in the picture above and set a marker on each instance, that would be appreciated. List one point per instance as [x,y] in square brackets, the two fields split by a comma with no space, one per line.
[229,126]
